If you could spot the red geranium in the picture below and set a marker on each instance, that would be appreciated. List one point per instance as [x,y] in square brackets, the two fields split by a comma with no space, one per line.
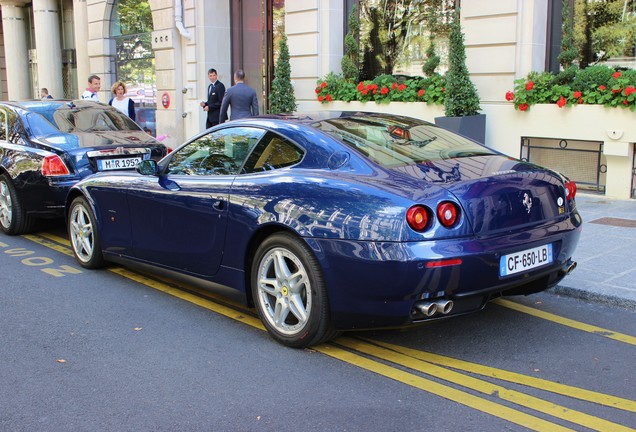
[329,98]
[360,86]
[561,102]
[616,74]
[625,102]
[317,90]
[529,85]
[320,98]
[523,107]
[580,101]
[384,90]
[576,94]
[601,88]
[401,87]
[420,93]
[510,96]
[323,84]
[629,90]
[394,86]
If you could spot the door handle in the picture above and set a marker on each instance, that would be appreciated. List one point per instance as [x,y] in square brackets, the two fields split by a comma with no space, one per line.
[218,203]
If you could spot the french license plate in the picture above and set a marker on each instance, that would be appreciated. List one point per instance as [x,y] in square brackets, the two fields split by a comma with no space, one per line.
[525,260]
[117,163]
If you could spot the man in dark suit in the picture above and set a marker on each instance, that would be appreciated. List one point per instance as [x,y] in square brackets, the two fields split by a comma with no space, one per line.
[216,91]
[241,97]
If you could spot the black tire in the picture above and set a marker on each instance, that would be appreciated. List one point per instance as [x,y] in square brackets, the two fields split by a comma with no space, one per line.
[13,218]
[84,235]
[302,317]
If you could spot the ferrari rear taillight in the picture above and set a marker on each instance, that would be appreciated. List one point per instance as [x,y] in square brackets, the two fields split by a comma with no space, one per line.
[54,166]
[447,213]
[417,217]
[570,190]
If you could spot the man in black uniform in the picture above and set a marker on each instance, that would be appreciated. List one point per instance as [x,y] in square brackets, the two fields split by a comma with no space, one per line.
[216,91]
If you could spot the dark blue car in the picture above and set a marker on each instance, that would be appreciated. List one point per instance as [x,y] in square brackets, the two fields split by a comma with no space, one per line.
[354,221]
[48,146]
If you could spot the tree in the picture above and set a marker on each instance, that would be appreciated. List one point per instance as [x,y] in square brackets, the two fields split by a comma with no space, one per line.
[281,98]
[461,94]
[350,62]
[432,59]
[569,52]
[604,29]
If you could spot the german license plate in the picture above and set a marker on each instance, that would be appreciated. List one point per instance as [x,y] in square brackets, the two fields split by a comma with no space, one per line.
[525,260]
[117,163]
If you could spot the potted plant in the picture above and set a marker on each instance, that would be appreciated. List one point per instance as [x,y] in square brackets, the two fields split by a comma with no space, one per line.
[461,102]
[282,98]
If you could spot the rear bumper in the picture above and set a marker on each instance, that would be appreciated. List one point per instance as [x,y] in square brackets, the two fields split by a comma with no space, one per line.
[375,284]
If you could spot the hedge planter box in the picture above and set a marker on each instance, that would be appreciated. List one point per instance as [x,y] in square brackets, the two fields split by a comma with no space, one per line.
[420,110]
[473,127]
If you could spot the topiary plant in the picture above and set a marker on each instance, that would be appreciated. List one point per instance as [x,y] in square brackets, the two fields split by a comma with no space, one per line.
[351,59]
[461,98]
[281,98]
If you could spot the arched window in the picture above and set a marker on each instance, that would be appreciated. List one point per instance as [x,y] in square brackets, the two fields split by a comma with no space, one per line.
[131,27]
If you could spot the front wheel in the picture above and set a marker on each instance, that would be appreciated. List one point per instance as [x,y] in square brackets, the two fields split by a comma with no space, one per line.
[289,292]
[83,234]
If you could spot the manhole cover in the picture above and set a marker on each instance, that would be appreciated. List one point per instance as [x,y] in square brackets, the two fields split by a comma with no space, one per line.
[629,223]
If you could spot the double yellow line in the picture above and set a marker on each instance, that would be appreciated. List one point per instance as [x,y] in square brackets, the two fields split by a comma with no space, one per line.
[380,358]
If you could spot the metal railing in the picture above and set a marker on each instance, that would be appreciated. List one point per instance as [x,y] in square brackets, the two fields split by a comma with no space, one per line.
[580,161]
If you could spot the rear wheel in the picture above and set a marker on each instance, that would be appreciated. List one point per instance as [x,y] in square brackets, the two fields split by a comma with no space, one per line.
[13,218]
[83,235]
[289,292]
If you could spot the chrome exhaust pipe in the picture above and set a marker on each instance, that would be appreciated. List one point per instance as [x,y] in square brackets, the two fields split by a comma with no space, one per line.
[444,306]
[428,309]
[569,267]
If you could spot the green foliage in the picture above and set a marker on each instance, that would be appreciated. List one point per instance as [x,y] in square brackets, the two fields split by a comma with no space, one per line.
[282,99]
[351,60]
[569,52]
[461,95]
[597,84]
[432,59]
[133,16]
[604,29]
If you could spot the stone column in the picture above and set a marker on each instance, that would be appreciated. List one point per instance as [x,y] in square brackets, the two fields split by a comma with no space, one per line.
[80,26]
[15,50]
[46,21]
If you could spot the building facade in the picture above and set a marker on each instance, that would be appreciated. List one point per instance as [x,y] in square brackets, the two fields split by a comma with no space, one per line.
[57,44]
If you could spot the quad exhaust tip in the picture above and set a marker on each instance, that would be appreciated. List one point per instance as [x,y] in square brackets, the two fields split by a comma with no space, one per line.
[438,307]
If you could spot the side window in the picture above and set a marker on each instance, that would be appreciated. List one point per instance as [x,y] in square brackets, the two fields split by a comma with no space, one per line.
[221,152]
[274,152]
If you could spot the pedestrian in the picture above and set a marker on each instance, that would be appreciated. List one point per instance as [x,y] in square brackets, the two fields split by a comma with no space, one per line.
[94,84]
[122,102]
[44,93]
[241,97]
[216,91]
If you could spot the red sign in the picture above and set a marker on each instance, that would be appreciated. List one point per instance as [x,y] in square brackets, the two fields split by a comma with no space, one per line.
[165,100]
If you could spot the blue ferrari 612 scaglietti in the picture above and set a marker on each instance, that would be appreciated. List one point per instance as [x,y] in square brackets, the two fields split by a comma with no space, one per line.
[335,222]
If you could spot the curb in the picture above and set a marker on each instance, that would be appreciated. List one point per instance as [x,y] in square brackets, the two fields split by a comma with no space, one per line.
[593,297]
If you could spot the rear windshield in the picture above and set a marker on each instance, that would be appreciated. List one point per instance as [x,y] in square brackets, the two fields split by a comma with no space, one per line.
[391,141]
[92,119]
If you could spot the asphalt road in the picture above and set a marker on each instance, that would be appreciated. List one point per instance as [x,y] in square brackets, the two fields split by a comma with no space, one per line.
[114,350]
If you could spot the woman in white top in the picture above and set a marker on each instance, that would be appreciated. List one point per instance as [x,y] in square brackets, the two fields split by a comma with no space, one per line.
[122,102]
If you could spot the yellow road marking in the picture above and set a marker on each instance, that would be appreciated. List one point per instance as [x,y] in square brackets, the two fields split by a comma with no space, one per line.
[567,322]
[444,391]
[49,244]
[516,378]
[486,387]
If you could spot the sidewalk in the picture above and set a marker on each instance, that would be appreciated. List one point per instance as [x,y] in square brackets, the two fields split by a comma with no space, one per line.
[606,254]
